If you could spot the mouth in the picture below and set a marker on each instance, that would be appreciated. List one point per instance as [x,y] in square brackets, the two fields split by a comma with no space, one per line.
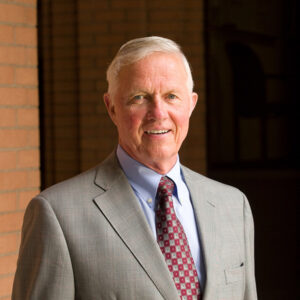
[157,132]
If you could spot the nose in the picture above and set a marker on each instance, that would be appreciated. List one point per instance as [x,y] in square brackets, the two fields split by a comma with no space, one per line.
[157,109]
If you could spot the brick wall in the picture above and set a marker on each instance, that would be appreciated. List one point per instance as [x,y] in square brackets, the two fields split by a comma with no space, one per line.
[19,133]
[79,40]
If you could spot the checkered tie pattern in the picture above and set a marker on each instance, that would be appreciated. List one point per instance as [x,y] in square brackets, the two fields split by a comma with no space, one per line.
[173,243]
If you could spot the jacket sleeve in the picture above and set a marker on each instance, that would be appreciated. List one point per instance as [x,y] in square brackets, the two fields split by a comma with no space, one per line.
[44,269]
[250,285]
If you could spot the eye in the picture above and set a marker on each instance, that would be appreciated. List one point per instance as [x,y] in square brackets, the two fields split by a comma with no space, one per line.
[138,97]
[172,96]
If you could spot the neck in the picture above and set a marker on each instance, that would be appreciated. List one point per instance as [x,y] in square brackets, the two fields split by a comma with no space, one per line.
[160,167]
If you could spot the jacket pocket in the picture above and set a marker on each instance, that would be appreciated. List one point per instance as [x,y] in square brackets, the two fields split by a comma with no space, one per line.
[234,274]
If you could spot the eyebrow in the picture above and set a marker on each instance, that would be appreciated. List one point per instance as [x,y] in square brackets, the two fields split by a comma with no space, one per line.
[137,92]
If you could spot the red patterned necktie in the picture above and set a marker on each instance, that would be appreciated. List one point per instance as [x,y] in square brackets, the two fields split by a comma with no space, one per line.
[173,243]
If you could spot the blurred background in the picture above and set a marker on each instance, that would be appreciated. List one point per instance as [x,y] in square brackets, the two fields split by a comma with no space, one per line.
[244,130]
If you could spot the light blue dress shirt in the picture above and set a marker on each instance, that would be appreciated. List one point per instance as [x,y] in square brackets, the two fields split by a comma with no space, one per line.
[144,182]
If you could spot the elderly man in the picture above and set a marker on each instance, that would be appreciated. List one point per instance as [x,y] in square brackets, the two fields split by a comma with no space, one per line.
[140,225]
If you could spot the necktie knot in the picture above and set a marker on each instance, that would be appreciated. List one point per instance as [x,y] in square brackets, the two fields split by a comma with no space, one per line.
[165,187]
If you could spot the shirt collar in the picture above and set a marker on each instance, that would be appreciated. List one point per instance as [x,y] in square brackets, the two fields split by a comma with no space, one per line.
[145,180]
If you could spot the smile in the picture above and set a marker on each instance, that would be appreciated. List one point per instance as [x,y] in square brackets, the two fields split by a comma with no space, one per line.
[157,131]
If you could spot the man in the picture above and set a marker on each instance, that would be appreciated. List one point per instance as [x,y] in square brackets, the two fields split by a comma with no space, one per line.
[140,225]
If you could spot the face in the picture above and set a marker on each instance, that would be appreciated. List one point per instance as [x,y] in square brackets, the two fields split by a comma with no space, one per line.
[151,108]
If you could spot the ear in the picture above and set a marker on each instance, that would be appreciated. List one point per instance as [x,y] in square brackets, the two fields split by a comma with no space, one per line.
[109,106]
[194,101]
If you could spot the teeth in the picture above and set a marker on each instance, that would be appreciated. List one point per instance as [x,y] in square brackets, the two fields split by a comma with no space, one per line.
[156,131]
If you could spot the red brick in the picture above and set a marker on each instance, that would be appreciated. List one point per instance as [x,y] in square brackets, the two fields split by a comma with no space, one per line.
[8,160]
[31,16]
[32,96]
[28,117]
[13,180]
[33,2]
[11,222]
[19,179]
[33,179]
[8,117]
[6,34]
[11,54]
[18,55]
[25,197]
[9,243]
[13,96]
[13,13]
[26,36]
[6,285]
[33,138]
[8,202]
[31,57]
[26,76]
[6,74]
[8,264]
[28,158]
[11,138]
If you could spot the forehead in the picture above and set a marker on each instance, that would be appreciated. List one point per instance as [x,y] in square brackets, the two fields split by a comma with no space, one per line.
[156,68]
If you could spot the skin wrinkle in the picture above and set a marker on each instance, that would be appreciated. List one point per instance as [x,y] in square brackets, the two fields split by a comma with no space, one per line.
[152,94]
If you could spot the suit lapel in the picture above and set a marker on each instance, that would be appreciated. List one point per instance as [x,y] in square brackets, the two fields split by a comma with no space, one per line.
[121,208]
[205,212]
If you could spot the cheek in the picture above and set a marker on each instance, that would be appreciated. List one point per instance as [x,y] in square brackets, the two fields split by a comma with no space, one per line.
[131,121]
[182,121]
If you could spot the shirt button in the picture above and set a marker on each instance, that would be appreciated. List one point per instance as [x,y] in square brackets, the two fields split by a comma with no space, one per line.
[149,201]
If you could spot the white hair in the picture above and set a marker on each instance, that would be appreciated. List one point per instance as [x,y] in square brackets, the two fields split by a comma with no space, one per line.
[136,49]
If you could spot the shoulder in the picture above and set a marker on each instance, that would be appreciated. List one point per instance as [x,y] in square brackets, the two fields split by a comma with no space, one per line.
[86,185]
[220,193]
[212,184]
[76,184]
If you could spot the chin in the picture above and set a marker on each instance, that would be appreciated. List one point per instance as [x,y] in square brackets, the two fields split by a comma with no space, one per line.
[158,156]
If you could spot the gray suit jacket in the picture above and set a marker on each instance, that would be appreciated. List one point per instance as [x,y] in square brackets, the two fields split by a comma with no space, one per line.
[87,238]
